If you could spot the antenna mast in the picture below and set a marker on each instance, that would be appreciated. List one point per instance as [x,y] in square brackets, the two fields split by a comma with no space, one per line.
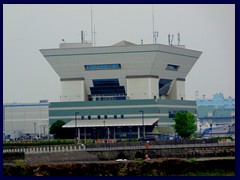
[155,33]
[94,37]
[91,26]
[153,21]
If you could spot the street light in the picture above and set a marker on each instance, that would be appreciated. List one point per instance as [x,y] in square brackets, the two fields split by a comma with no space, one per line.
[143,123]
[229,129]
[104,133]
[35,129]
[76,133]
[211,124]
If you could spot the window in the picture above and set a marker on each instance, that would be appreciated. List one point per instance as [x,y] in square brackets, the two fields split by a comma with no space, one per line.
[102,66]
[115,116]
[105,116]
[89,117]
[99,117]
[172,67]
[164,86]
[106,87]
[82,117]
[122,116]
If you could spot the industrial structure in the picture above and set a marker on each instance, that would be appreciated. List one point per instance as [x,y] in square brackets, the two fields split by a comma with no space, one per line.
[120,91]
[30,118]
[217,114]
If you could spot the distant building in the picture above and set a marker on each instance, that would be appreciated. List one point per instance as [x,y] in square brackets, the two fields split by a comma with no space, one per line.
[28,118]
[218,110]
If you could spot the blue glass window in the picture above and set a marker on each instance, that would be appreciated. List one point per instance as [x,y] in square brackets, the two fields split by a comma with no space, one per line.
[107,87]
[102,66]
[163,86]
[172,67]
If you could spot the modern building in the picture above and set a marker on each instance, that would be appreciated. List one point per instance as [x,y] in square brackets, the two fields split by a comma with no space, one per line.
[31,118]
[120,91]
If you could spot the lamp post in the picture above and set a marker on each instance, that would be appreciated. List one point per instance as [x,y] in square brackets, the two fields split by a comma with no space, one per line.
[35,129]
[76,134]
[211,123]
[143,123]
[104,133]
[229,128]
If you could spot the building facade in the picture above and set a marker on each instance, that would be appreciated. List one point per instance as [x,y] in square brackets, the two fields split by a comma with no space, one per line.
[218,110]
[125,87]
[26,118]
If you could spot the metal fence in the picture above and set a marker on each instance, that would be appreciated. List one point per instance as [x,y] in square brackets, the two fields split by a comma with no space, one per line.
[120,146]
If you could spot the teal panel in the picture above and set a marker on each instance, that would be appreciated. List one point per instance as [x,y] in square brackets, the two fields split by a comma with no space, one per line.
[120,103]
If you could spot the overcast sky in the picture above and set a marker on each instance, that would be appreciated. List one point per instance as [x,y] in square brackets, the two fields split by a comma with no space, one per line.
[27,76]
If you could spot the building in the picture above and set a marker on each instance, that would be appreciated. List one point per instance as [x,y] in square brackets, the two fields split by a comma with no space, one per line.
[31,118]
[124,86]
[218,112]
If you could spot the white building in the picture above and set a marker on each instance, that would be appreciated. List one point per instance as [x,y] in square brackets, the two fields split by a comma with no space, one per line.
[27,118]
[121,71]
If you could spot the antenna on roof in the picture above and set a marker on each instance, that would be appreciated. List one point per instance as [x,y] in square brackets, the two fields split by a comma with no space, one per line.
[178,39]
[196,94]
[82,38]
[153,21]
[155,33]
[170,39]
[94,37]
[91,25]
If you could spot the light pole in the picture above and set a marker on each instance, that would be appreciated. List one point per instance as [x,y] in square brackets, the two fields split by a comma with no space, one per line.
[211,124]
[143,123]
[229,129]
[35,129]
[104,132]
[76,134]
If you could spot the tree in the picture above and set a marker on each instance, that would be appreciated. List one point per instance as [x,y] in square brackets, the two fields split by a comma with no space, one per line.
[184,124]
[58,131]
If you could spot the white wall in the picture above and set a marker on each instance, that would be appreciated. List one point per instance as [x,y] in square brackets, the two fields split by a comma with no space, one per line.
[22,117]
[142,88]
[73,91]
[178,90]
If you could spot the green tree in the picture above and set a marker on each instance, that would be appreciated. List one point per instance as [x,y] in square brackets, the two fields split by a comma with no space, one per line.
[184,124]
[59,132]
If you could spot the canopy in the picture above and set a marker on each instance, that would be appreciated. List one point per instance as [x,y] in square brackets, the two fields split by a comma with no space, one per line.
[111,122]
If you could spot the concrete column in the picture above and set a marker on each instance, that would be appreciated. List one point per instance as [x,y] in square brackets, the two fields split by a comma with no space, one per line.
[79,134]
[108,133]
[114,134]
[85,135]
[138,132]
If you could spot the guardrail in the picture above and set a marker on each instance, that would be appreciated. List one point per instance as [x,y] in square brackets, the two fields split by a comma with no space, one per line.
[112,147]
[46,149]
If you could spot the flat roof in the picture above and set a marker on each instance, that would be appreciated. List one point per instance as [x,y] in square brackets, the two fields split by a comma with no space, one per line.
[111,122]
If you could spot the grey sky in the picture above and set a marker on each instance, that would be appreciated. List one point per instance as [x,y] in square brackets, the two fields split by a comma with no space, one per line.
[27,77]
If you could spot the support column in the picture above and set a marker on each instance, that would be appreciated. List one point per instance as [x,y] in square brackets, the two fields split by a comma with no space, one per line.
[85,135]
[114,135]
[138,132]
[79,134]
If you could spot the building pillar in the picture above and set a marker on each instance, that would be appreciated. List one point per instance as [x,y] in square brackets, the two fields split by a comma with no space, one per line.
[114,135]
[138,132]
[85,135]
[79,134]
